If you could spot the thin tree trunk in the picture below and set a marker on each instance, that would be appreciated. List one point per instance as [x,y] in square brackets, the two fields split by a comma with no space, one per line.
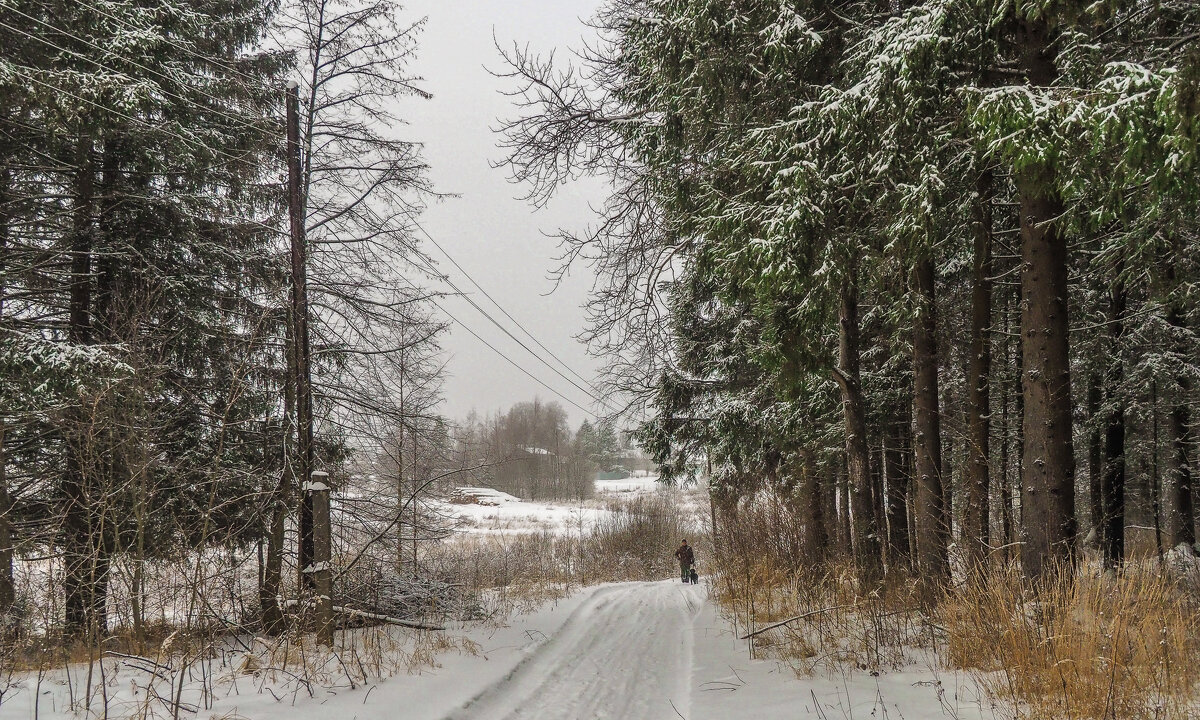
[1048,472]
[7,587]
[897,477]
[931,525]
[1112,481]
[812,504]
[878,501]
[976,519]
[1180,517]
[1155,476]
[1004,485]
[1095,446]
[1004,481]
[75,528]
[863,538]
[270,592]
[843,508]
[830,488]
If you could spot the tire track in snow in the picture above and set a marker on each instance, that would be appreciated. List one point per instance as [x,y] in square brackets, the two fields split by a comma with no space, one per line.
[625,653]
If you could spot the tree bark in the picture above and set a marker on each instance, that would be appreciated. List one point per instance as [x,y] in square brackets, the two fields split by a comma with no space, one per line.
[843,509]
[878,501]
[7,587]
[1112,479]
[305,458]
[830,485]
[1179,527]
[1048,472]
[269,594]
[896,475]
[1095,448]
[932,562]
[77,534]
[811,502]
[863,538]
[1007,454]
[976,518]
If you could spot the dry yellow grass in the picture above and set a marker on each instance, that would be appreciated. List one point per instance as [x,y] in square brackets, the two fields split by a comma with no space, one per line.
[1109,647]
[1085,647]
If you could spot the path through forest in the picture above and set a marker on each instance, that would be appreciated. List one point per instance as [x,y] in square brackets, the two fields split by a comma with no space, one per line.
[659,650]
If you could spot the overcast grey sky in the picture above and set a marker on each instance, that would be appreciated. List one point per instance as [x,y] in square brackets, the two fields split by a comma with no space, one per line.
[495,236]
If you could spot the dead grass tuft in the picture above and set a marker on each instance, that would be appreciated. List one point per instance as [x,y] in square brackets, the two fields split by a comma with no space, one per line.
[1104,646]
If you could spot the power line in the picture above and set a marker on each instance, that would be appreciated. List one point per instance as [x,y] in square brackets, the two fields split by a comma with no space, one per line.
[238,120]
[512,362]
[514,338]
[206,58]
[427,265]
[506,331]
[508,315]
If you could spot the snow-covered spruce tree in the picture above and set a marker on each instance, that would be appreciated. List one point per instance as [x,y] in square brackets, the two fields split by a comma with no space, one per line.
[150,126]
[787,166]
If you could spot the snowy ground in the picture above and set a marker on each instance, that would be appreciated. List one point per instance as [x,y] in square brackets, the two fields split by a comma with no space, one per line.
[495,512]
[659,650]
[628,486]
[491,512]
[625,651]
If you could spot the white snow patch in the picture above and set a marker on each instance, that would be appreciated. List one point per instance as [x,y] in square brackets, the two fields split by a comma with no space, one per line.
[486,511]
[635,485]
[636,651]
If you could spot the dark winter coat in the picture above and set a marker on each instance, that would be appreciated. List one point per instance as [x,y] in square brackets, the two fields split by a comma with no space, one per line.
[685,555]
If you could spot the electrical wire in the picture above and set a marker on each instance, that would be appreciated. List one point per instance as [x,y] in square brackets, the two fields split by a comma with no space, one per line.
[512,362]
[429,265]
[239,121]
[118,113]
[508,315]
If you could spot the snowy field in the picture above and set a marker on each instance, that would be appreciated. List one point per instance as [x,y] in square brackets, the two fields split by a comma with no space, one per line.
[487,512]
[625,651]
[628,486]
[484,511]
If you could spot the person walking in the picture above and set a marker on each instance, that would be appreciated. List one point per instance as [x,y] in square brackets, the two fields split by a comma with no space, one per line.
[686,559]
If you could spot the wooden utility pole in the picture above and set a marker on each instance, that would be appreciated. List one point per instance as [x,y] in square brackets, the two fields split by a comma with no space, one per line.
[317,492]
[299,298]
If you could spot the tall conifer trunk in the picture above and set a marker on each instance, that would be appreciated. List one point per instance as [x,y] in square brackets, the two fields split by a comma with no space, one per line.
[863,538]
[976,518]
[1095,450]
[927,439]
[1180,529]
[1048,468]
[7,588]
[896,474]
[812,507]
[79,601]
[1112,479]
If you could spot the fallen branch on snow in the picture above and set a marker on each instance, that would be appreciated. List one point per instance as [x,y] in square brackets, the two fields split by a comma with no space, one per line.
[772,626]
[375,616]
[386,619]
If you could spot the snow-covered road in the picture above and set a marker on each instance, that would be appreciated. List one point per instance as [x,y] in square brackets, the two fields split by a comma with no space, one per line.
[623,651]
[626,652]
[661,651]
